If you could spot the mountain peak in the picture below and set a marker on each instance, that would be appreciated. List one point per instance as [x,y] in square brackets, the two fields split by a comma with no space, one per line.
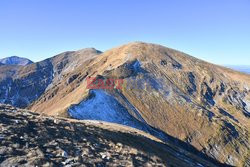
[15,60]
[166,93]
[89,50]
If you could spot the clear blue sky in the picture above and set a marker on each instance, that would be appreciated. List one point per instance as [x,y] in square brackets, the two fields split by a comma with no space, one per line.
[214,30]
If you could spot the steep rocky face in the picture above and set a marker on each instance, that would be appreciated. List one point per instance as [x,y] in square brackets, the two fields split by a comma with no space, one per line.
[204,105]
[27,84]
[21,85]
[29,139]
[14,60]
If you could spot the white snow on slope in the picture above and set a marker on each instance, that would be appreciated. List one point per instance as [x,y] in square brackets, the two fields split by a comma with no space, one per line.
[102,106]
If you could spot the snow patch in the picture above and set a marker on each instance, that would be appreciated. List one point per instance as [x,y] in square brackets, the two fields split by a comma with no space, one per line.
[102,106]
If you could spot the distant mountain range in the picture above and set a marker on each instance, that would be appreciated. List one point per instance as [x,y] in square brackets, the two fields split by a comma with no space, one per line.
[241,68]
[15,60]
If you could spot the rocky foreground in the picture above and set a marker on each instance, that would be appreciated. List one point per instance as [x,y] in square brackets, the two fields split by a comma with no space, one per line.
[30,139]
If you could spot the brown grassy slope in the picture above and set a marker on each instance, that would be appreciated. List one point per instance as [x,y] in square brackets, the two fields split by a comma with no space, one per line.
[201,103]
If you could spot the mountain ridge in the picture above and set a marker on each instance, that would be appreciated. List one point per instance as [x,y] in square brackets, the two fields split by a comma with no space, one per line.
[203,104]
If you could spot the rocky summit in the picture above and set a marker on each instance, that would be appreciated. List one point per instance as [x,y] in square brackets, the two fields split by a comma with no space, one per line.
[165,93]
